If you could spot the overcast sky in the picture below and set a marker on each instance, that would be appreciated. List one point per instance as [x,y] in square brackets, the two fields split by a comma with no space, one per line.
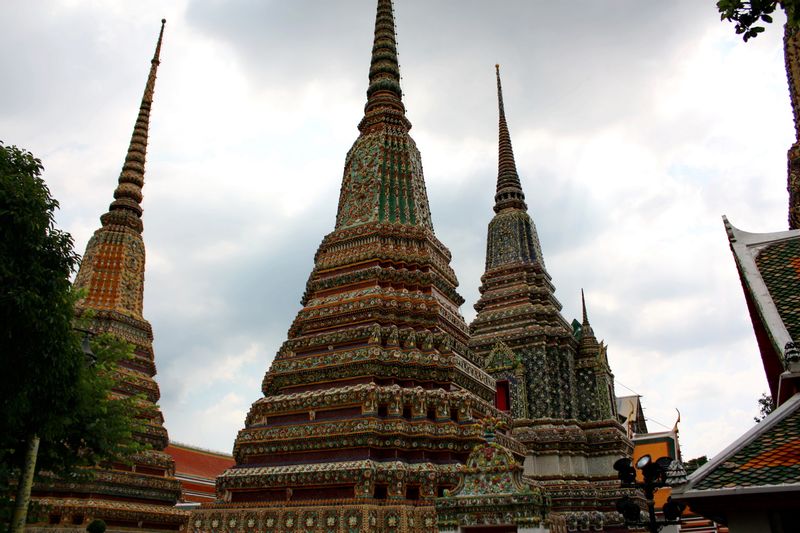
[636,126]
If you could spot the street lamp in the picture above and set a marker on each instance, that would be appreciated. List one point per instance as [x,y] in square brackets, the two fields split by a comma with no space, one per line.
[86,347]
[654,474]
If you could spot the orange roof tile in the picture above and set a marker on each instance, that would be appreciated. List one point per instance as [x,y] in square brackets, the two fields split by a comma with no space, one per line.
[196,462]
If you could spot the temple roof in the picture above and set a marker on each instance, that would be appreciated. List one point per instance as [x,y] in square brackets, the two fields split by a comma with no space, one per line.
[198,462]
[765,458]
[769,268]
[631,414]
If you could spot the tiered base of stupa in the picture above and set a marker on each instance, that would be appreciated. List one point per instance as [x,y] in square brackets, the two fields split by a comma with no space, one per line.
[128,497]
[140,493]
[75,514]
[321,516]
[573,461]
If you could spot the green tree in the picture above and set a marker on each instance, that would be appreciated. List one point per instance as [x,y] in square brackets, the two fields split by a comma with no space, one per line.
[54,406]
[693,464]
[765,407]
[749,15]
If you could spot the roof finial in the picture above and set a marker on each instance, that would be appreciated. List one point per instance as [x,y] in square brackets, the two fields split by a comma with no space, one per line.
[384,96]
[509,190]
[126,210]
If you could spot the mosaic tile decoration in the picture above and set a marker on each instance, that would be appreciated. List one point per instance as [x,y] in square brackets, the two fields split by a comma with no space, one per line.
[373,400]
[561,387]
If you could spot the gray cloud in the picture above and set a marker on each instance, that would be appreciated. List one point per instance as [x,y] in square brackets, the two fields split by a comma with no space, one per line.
[625,126]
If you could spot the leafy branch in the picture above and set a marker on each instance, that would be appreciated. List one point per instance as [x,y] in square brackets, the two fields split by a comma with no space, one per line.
[750,15]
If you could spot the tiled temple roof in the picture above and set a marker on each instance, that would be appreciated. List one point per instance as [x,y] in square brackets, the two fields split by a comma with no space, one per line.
[765,458]
[769,268]
[198,462]
[779,265]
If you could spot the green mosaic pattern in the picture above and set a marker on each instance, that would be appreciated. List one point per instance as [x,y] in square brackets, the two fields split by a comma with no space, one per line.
[772,459]
[779,265]
[383,182]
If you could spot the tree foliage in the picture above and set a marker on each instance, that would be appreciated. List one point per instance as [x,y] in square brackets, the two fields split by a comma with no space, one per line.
[100,425]
[765,407]
[96,526]
[749,16]
[47,387]
[36,337]
[693,464]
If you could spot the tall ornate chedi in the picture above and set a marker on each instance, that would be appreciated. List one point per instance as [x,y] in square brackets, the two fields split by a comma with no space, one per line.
[370,408]
[554,379]
[140,495]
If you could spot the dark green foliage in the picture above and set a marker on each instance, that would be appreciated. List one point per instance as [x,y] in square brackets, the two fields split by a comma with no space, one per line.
[36,260]
[96,428]
[693,464]
[46,386]
[749,16]
[96,526]
[765,407]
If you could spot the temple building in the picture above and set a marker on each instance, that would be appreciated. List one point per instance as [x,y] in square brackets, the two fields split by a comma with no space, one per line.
[140,495]
[383,410]
[553,379]
[375,416]
[631,415]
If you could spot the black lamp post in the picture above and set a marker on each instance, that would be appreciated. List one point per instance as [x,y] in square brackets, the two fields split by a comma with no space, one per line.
[654,474]
[86,347]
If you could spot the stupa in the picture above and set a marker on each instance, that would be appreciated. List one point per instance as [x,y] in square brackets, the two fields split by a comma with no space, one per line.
[372,408]
[552,377]
[140,495]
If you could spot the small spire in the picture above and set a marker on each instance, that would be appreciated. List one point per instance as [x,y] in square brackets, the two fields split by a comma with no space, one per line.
[586,328]
[384,95]
[583,304]
[126,209]
[509,189]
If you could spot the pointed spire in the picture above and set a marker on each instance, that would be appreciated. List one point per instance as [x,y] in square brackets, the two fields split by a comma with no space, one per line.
[586,328]
[384,95]
[509,189]
[583,305]
[126,209]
